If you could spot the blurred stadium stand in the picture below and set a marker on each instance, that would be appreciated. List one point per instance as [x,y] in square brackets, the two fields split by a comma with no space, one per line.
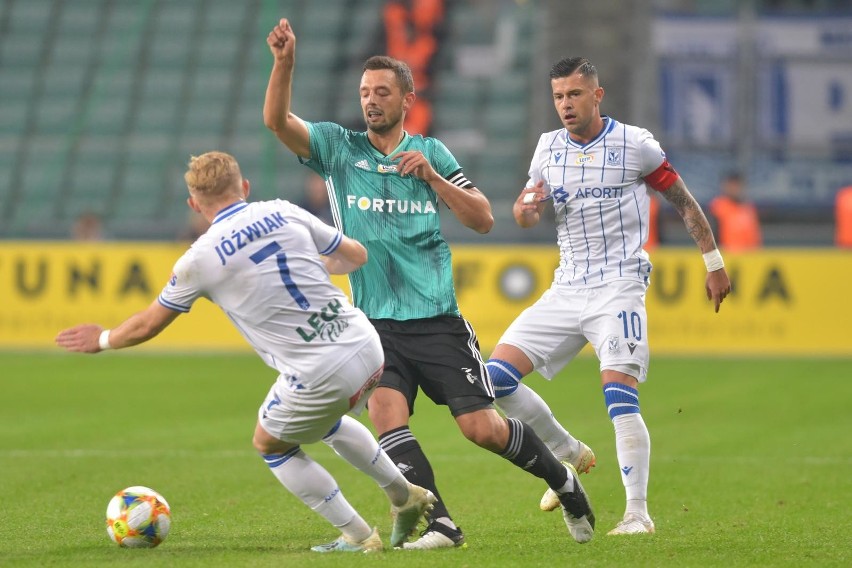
[103,101]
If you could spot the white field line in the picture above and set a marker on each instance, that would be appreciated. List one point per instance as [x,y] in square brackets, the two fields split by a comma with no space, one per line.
[437,456]
[123,454]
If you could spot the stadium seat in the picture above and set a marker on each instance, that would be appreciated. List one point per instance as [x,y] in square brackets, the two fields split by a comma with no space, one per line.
[118,100]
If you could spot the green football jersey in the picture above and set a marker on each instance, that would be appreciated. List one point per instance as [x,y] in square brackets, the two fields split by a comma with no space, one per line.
[409,271]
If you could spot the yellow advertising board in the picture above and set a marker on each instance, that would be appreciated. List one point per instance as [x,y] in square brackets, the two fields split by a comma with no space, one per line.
[785,301]
[48,286]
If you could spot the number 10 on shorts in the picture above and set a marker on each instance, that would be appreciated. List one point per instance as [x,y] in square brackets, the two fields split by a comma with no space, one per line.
[632,323]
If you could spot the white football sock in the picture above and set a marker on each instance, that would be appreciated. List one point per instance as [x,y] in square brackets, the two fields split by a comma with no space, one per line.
[527,406]
[446,521]
[353,442]
[633,447]
[316,488]
[568,487]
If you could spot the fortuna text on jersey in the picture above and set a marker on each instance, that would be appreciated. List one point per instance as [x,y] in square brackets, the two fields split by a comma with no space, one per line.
[391,205]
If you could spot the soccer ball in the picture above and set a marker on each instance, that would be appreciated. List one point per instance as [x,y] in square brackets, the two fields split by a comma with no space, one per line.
[138,517]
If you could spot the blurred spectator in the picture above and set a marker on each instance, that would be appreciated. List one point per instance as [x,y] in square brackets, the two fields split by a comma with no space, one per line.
[413,32]
[736,218]
[315,199]
[87,227]
[843,217]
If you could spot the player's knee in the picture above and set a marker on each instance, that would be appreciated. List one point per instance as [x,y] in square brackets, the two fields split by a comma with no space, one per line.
[387,409]
[483,428]
[475,434]
[504,377]
[386,399]
[265,443]
[261,444]
[627,374]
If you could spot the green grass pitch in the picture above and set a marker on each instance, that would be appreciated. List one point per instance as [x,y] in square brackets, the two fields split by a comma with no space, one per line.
[751,465]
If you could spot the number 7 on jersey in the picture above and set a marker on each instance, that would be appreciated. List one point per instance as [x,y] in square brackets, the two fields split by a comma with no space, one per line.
[283,271]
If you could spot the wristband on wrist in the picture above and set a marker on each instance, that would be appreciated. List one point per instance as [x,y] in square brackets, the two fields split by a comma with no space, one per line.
[103,340]
[713,260]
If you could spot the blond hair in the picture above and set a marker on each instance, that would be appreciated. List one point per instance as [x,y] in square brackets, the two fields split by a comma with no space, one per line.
[213,175]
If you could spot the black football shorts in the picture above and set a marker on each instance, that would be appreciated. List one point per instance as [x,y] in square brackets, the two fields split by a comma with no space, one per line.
[441,356]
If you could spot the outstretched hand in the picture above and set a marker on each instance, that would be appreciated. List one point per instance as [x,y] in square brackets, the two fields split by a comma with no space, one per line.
[717,286]
[282,41]
[80,339]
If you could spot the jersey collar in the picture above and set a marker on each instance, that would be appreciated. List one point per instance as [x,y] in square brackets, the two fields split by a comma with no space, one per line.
[609,124]
[402,142]
[229,210]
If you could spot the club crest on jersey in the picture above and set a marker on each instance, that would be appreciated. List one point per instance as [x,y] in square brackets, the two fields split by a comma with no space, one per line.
[614,156]
[383,169]
[612,344]
[583,159]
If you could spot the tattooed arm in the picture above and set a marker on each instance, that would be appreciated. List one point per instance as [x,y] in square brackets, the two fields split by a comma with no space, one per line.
[717,285]
[693,217]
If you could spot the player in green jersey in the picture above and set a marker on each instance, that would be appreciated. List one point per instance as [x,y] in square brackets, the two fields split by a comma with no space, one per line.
[385,187]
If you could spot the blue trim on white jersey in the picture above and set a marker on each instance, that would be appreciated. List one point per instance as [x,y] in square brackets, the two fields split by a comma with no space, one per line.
[229,210]
[333,246]
[171,305]
[608,127]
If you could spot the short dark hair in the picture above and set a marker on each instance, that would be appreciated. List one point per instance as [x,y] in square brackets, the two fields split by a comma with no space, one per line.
[570,65]
[399,68]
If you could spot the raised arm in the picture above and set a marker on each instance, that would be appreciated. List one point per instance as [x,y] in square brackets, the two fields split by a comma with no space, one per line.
[288,127]
[138,328]
[717,285]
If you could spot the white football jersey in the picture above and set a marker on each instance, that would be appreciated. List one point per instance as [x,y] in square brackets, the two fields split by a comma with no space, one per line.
[260,263]
[601,201]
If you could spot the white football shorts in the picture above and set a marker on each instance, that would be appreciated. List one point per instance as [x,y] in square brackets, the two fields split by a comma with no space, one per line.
[302,414]
[611,317]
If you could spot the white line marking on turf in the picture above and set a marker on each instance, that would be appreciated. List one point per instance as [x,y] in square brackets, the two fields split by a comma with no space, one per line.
[471,457]
[93,453]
